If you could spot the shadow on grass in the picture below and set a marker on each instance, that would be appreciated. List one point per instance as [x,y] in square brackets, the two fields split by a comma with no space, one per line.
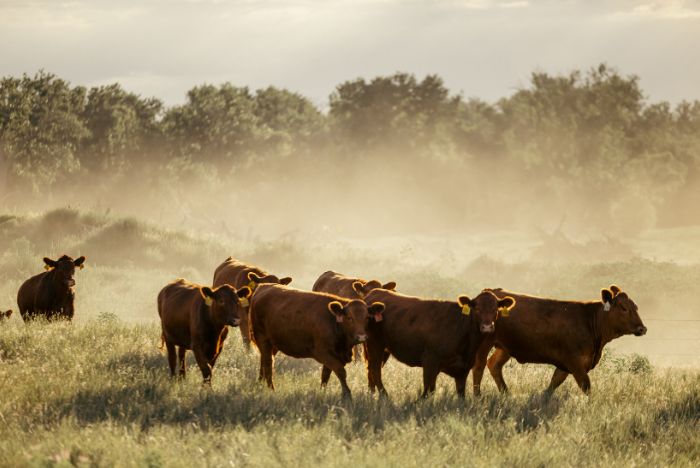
[686,410]
[161,402]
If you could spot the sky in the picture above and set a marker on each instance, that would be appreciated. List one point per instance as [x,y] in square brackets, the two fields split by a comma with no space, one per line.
[481,48]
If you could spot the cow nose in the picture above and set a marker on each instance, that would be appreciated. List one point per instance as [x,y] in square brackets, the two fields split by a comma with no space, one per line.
[361,338]
[236,322]
[488,328]
[640,331]
[70,282]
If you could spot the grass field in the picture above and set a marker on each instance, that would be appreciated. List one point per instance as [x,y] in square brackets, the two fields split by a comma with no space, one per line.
[97,392]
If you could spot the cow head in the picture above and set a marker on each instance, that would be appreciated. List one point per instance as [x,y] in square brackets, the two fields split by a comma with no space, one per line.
[256,279]
[362,289]
[485,308]
[622,312]
[226,304]
[5,315]
[64,268]
[354,316]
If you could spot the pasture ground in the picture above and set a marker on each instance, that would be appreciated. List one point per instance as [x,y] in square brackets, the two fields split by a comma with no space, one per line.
[98,394]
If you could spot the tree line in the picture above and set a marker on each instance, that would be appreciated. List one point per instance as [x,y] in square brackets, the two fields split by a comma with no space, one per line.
[589,134]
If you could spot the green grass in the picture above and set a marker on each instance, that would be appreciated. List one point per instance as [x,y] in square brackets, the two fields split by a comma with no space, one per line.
[98,393]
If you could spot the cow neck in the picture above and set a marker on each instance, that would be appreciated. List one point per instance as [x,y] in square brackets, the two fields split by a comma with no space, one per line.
[597,330]
[470,331]
[58,287]
[206,313]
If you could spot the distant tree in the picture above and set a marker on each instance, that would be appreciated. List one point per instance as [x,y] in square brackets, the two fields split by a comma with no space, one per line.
[40,128]
[215,124]
[122,127]
[287,121]
[396,111]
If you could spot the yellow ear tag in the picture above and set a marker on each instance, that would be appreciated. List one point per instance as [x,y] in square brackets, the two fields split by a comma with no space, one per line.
[252,285]
[81,266]
[504,311]
[48,268]
[244,301]
[208,301]
[466,310]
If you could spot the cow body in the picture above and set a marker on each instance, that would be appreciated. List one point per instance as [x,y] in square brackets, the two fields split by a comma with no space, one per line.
[305,324]
[50,294]
[437,335]
[238,274]
[350,288]
[569,335]
[195,318]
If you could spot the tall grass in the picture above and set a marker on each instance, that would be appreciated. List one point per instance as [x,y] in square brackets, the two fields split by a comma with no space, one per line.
[98,393]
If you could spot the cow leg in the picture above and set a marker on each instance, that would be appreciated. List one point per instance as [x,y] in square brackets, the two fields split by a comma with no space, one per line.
[479,366]
[558,378]
[266,363]
[220,347]
[583,382]
[181,351]
[325,376]
[496,363]
[374,355]
[171,357]
[203,362]
[338,369]
[430,373]
[245,330]
[461,384]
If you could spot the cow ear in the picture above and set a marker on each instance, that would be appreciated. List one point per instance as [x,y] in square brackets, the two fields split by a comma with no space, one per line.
[207,294]
[507,302]
[336,308]
[285,281]
[252,276]
[49,263]
[615,290]
[465,303]
[391,286]
[357,287]
[244,292]
[607,296]
[79,262]
[376,310]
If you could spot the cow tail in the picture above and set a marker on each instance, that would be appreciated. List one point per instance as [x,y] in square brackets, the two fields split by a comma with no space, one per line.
[162,342]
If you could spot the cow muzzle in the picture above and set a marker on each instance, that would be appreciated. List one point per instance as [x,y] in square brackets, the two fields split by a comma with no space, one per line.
[70,282]
[360,338]
[235,322]
[640,331]
[488,327]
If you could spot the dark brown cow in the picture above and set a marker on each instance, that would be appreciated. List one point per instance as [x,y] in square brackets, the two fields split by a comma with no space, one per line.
[195,317]
[439,336]
[344,286]
[305,324]
[238,274]
[50,294]
[350,288]
[569,335]
[5,315]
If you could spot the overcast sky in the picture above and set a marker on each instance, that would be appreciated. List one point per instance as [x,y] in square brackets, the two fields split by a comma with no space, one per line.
[482,48]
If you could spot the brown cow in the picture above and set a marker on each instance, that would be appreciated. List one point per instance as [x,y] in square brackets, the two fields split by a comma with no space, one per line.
[238,274]
[350,288]
[437,335]
[195,317]
[569,335]
[51,293]
[305,324]
[344,286]
[5,315]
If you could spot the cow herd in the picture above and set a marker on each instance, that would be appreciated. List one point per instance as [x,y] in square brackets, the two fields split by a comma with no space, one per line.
[343,315]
